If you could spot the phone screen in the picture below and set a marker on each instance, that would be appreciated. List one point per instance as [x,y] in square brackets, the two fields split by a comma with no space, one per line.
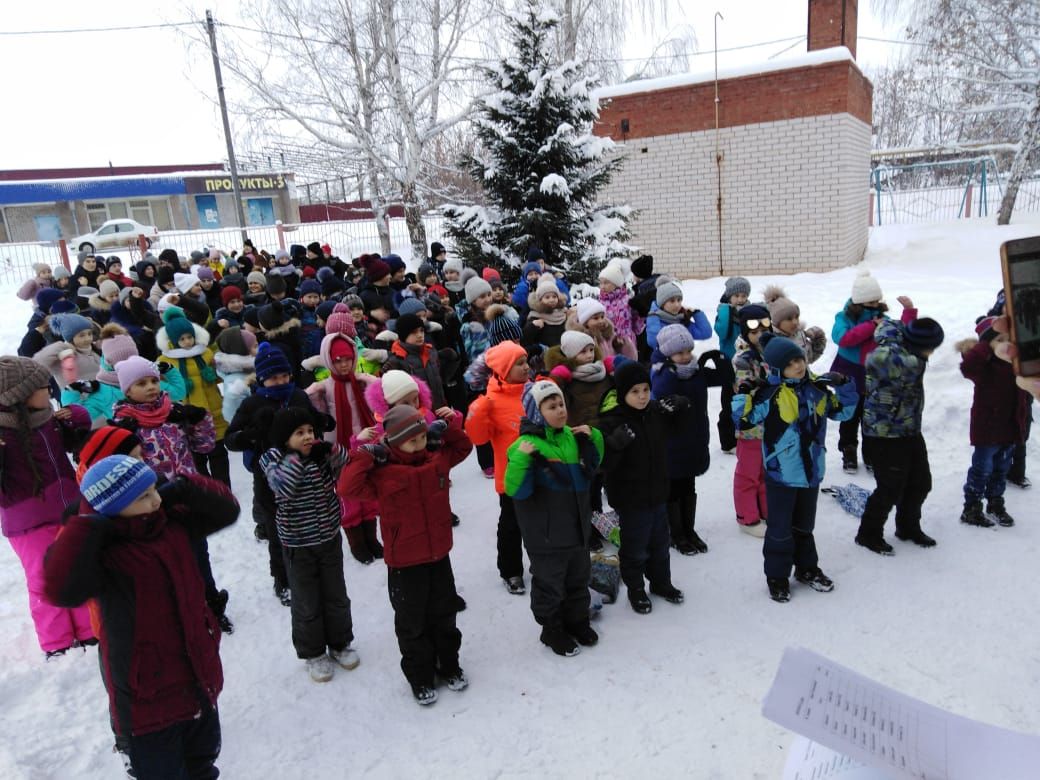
[1024,273]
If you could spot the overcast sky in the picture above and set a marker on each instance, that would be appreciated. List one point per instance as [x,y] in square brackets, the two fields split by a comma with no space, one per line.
[148,97]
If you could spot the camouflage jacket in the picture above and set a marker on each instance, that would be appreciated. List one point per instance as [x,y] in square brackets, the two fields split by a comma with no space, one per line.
[894,398]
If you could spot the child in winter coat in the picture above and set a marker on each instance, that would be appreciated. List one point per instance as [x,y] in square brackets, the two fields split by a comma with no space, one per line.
[408,473]
[547,314]
[786,319]
[412,354]
[129,553]
[727,328]
[549,478]
[495,418]
[186,345]
[668,310]
[43,277]
[100,396]
[283,331]
[675,372]
[635,431]
[613,294]
[999,418]
[342,395]
[590,316]
[302,471]
[36,484]
[854,333]
[892,439]
[580,369]
[311,333]
[249,432]
[233,362]
[232,310]
[472,317]
[100,305]
[749,486]
[452,273]
[793,411]
[73,358]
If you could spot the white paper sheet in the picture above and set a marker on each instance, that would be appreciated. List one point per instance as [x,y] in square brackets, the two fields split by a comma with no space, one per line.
[888,730]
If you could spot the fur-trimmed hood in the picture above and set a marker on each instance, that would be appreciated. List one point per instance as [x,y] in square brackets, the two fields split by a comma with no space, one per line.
[554,357]
[965,345]
[284,329]
[98,303]
[162,341]
[377,402]
[536,308]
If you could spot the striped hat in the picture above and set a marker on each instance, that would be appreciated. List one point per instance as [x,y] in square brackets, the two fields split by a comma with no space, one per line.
[106,440]
[401,424]
[114,483]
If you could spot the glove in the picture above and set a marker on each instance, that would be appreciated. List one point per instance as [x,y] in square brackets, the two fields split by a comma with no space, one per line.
[832,378]
[435,434]
[193,415]
[674,404]
[379,452]
[163,367]
[748,386]
[320,450]
[176,491]
[88,386]
[621,437]
[712,355]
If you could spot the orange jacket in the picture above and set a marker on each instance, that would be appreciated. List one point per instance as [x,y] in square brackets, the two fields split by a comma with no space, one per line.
[495,416]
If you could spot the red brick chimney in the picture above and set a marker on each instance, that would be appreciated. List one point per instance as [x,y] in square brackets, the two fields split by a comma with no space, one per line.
[832,23]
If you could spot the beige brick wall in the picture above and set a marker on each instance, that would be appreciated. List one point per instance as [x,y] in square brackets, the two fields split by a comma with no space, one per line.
[794,197]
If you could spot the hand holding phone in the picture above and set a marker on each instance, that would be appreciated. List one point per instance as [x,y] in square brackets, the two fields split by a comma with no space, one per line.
[1020,263]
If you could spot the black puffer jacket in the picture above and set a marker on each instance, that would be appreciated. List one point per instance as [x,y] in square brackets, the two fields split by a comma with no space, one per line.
[636,476]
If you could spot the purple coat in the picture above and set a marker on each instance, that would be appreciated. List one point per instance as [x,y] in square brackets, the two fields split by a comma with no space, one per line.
[20,510]
[1000,408]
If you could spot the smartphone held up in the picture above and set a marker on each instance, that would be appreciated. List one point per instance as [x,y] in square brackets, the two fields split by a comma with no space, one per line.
[1020,262]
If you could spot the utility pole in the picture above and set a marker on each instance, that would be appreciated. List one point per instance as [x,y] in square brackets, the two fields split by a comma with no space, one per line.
[211,29]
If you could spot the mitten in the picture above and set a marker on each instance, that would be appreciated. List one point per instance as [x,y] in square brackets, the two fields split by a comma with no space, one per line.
[435,434]
[176,491]
[832,378]
[88,386]
[748,386]
[608,363]
[562,373]
[193,415]
[321,450]
[712,355]
[379,452]
[621,437]
[163,366]
[209,376]
[674,404]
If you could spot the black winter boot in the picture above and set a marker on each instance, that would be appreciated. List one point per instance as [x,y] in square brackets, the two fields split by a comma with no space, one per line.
[358,544]
[875,544]
[676,530]
[640,601]
[669,593]
[583,633]
[559,641]
[915,535]
[815,579]
[688,520]
[371,539]
[779,589]
[849,460]
[972,515]
[995,509]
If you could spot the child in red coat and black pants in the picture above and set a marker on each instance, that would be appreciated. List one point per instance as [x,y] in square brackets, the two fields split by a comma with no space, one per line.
[408,474]
[159,642]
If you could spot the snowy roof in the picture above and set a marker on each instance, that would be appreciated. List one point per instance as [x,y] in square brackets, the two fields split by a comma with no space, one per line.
[818,57]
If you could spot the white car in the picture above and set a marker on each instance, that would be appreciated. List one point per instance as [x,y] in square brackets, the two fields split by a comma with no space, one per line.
[115,234]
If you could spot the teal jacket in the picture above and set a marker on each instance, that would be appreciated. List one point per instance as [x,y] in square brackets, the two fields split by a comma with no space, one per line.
[99,403]
[793,415]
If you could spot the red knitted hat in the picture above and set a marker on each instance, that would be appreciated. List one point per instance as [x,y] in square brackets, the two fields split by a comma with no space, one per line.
[229,294]
[105,441]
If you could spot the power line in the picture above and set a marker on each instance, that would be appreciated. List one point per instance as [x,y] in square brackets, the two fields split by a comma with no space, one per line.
[890,40]
[123,28]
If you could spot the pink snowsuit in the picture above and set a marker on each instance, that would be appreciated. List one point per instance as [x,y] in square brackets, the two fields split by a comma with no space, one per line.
[32,520]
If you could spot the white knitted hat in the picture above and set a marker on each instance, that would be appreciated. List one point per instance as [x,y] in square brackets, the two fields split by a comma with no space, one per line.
[397,385]
[573,342]
[589,308]
[614,274]
[184,282]
[866,288]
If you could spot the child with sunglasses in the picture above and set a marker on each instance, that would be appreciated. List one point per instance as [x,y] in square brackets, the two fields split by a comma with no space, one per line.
[749,485]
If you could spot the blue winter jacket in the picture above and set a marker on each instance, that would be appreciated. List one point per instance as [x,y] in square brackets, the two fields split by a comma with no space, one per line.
[698,325]
[688,433]
[727,329]
[522,290]
[794,414]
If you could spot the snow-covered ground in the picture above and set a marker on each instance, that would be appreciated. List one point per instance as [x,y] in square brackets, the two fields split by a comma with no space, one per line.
[674,693]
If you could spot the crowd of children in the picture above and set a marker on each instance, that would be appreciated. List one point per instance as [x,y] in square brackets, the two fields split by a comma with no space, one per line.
[352,390]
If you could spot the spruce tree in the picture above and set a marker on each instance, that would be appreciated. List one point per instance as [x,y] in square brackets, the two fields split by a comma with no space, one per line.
[539,163]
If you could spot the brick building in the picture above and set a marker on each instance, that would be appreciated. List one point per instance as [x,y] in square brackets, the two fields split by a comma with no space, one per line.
[794,141]
[45,205]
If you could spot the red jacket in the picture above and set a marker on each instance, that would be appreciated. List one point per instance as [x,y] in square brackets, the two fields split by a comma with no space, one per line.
[1000,408]
[495,416]
[158,639]
[412,491]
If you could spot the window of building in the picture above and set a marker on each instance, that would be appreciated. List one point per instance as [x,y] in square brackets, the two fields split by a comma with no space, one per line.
[141,211]
[97,214]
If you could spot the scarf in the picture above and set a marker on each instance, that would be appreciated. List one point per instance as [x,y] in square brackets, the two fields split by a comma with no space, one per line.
[150,415]
[669,319]
[206,372]
[344,410]
[686,371]
[37,417]
[590,372]
[279,393]
[554,317]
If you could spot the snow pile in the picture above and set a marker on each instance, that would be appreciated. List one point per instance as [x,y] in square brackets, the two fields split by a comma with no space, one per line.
[674,693]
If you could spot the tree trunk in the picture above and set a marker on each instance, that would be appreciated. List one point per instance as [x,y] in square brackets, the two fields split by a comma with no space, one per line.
[1026,146]
[413,218]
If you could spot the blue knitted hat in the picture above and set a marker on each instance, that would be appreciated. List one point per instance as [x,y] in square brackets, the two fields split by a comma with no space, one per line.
[778,351]
[503,324]
[114,483]
[68,325]
[46,297]
[411,306]
[269,361]
[307,287]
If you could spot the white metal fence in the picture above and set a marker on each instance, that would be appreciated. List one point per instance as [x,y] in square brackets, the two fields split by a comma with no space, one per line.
[348,238]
